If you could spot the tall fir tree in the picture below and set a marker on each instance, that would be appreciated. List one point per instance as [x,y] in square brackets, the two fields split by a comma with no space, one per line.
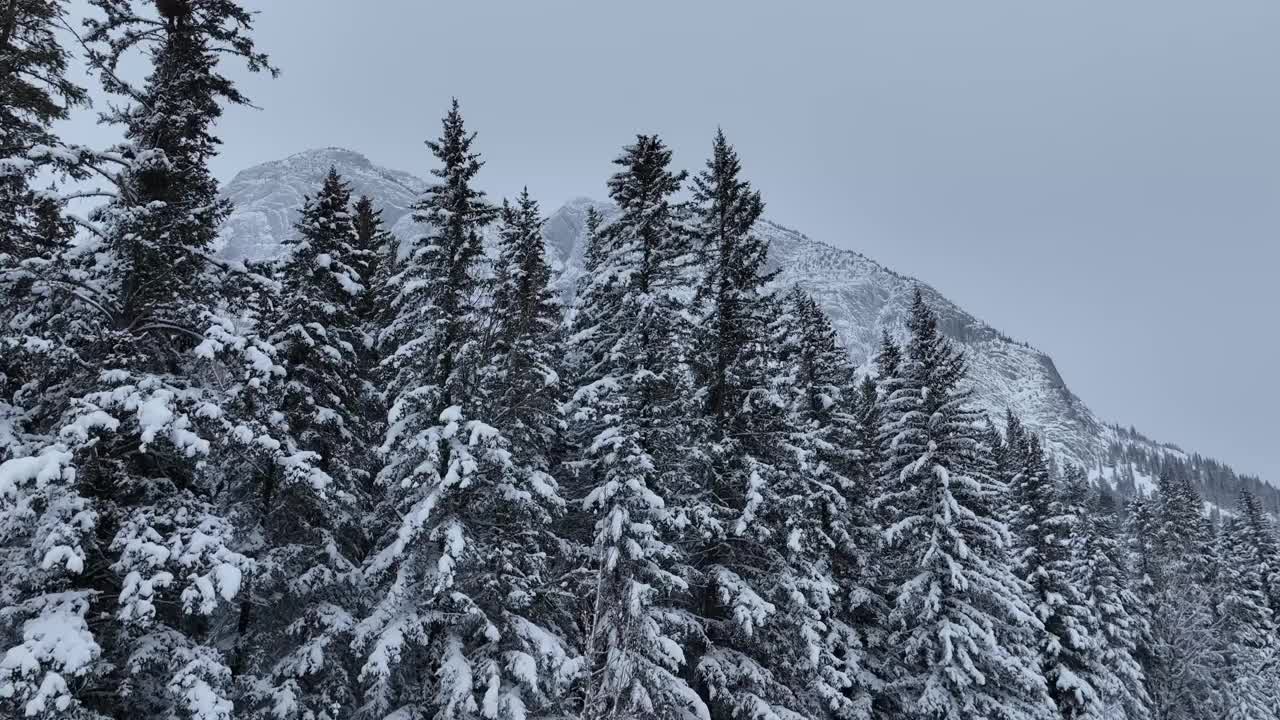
[1175,552]
[1247,631]
[762,571]
[1256,531]
[320,332]
[962,633]
[379,255]
[524,378]
[296,622]
[35,92]
[143,440]
[1117,617]
[454,632]
[627,417]
[828,520]
[524,390]
[1046,528]
[733,463]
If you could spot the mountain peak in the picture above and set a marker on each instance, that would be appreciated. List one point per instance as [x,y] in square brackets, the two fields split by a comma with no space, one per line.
[269,196]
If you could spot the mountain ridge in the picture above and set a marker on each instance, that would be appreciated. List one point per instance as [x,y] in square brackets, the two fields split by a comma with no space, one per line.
[862,297]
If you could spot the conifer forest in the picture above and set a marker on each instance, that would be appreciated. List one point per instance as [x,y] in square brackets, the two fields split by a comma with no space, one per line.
[370,480]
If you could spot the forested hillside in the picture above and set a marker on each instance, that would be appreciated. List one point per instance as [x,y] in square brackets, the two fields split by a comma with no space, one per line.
[365,479]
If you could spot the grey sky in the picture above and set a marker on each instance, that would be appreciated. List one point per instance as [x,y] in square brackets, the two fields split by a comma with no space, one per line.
[1099,178]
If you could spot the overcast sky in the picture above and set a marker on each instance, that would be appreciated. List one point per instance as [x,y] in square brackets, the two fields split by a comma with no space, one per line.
[1098,178]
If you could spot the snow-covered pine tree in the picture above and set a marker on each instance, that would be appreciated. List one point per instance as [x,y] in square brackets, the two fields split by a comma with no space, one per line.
[734,448]
[319,333]
[34,93]
[962,635]
[456,630]
[1045,530]
[629,426]
[1174,547]
[379,250]
[1257,531]
[1245,626]
[46,645]
[142,450]
[1010,453]
[523,379]
[762,569]
[827,520]
[1117,616]
[731,296]
[379,268]
[523,389]
[299,610]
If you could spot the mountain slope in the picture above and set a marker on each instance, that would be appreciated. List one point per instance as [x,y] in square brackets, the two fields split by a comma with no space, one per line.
[862,297]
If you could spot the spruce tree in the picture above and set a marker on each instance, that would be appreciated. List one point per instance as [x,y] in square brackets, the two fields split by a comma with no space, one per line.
[524,378]
[379,265]
[319,333]
[888,357]
[144,441]
[34,93]
[1010,453]
[295,623]
[1176,554]
[626,419]
[768,521]
[1117,617]
[455,631]
[828,519]
[962,634]
[1257,532]
[379,254]
[735,445]
[731,294]
[1247,631]
[1046,528]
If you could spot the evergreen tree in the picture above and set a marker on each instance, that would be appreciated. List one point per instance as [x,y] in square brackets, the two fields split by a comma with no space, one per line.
[308,587]
[34,93]
[524,378]
[1257,533]
[888,357]
[319,333]
[626,414]
[455,631]
[523,385]
[769,520]
[379,255]
[732,294]
[735,445]
[962,635]
[827,516]
[1117,617]
[1175,552]
[1246,628]
[1046,527]
[143,440]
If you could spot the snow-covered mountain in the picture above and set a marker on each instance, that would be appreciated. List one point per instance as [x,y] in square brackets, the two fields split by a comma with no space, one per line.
[269,196]
[861,296]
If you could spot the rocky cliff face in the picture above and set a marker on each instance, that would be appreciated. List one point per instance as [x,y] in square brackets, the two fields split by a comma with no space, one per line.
[861,296]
